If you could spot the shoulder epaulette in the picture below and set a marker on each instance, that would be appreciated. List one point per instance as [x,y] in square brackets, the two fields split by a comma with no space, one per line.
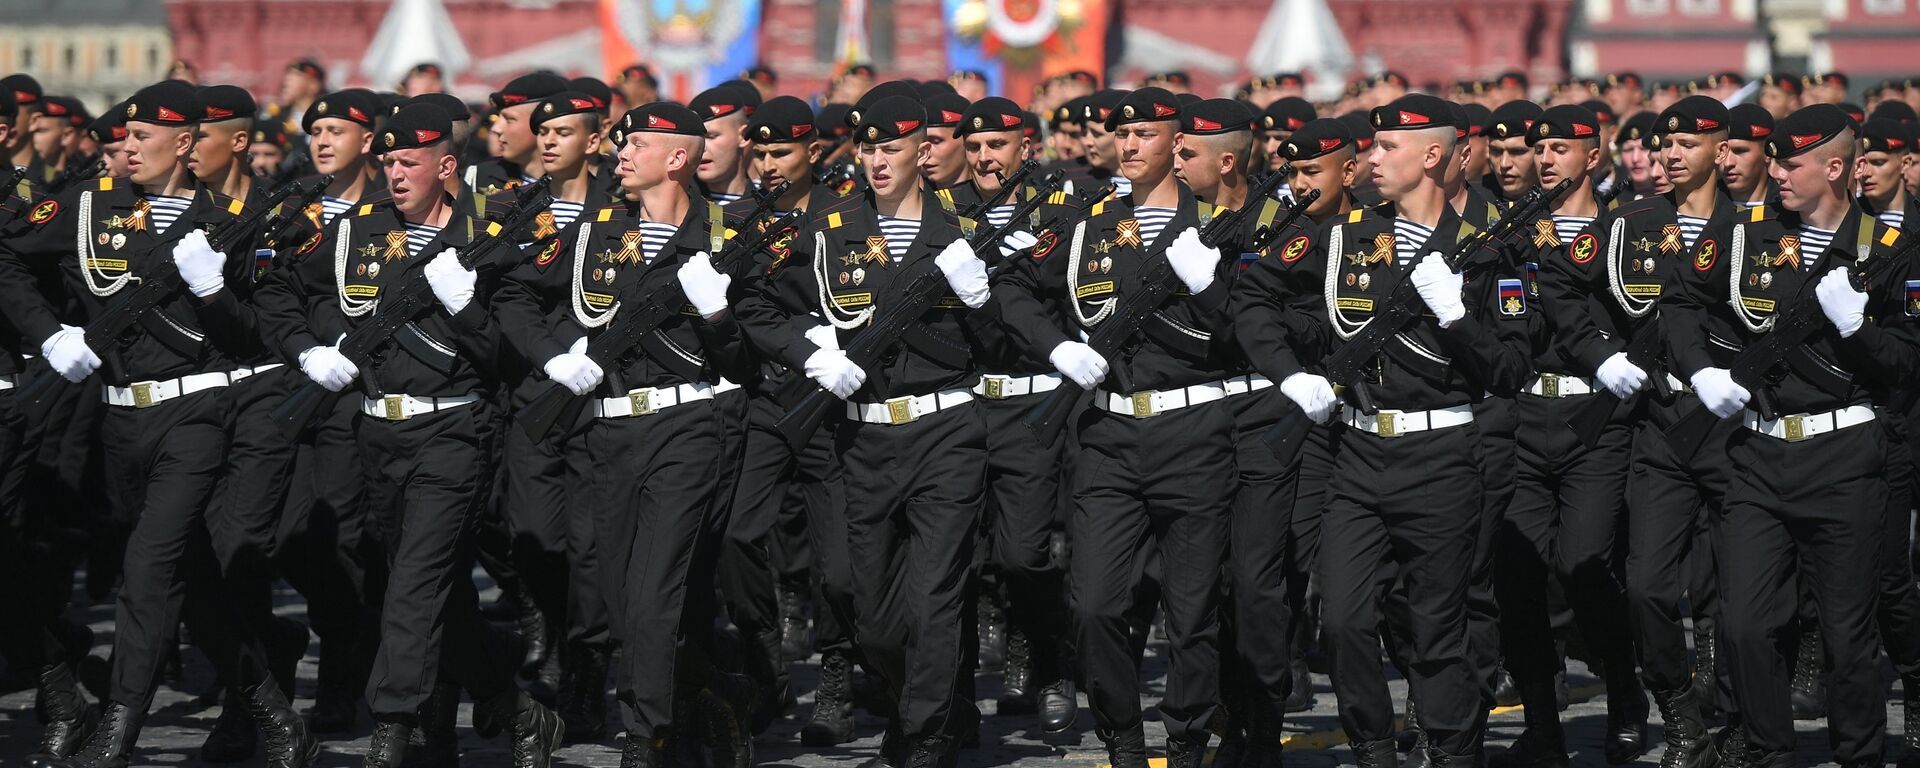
[235,206]
[1098,208]
[945,195]
[1354,216]
[1758,213]
[1059,197]
[365,209]
[106,183]
[606,214]
[1888,235]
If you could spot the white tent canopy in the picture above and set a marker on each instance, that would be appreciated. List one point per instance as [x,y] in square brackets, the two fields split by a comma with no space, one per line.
[414,32]
[1302,36]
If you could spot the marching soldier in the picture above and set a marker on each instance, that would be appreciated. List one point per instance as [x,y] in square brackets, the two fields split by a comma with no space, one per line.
[1883,191]
[1154,468]
[1507,151]
[945,165]
[723,166]
[28,101]
[1802,427]
[1277,122]
[518,161]
[424,430]
[168,402]
[1744,168]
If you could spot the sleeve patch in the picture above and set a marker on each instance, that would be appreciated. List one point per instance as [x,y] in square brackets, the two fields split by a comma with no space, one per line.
[1583,249]
[1294,249]
[44,212]
[547,256]
[1706,256]
[311,243]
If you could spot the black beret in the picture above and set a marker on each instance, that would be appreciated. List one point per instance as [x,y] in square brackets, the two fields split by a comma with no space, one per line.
[1413,111]
[931,88]
[1096,106]
[890,118]
[662,117]
[1477,118]
[1751,122]
[390,102]
[1829,78]
[425,68]
[66,108]
[560,105]
[760,73]
[1566,121]
[595,89]
[1457,114]
[946,110]
[720,101]
[353,104]
[226,102]
[1359,127]
[415,125]
[1722,79]
[1286,80]
[1215,116]
[780,120]
[1693,114]
[166,103]
[310,68]
[1600,110]
[265,131]
[1065,114]
[1624,80]
[991,114]
[1886,135]
[527,88]
[878,92]
[638,72]
[1082,76]
[1894,109]
[455,108]
[748,92]
[112,126]
[1144,105]
[1316,138]
[1636,128]
[832,122]
[1513,119]
[1512,77]
[1787,83]
[865,70]
[24,89]
[7,106]
[1806,129]
[1030,127]
[1391,77]
[1188,99]
[1855,111]
[1287,114]
[1172,77]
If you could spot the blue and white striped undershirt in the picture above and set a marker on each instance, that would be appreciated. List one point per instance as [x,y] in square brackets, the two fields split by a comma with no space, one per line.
[1813,243]
[654,237]
[163,210]
[1409,240]
[1690,228]
[1152,220]
[900,234]
[331,206]
[418,235]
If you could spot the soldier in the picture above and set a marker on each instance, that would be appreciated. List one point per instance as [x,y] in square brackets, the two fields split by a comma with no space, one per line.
[1780,94]
[1103,156]
[1569,501]
[654,442]
[1277,122]
[723,168]
[27,103]
[423,78]
[637,85]
[167,395]
[1142,485]
[1883,189]
[945,164]
[339,128]
[1766,526]
[518,161]
[1624,94]
[1637,168]
[54,132]
[1508,154]
[425,438]
[267,151]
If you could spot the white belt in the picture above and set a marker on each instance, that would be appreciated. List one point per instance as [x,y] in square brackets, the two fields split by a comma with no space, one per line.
[403,407]
[993,386]
[1389,423]
[725,386]
[1796,427]
[241,373]
[1559,385]
[647,400]
[1252,382]
[903,410]
[146,394]
[1141,405]
[9,381]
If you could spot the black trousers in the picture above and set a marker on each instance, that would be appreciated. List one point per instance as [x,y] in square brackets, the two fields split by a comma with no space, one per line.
[1161,485]
[34,569]
[428,477]
[1024,496]
[1267,559]
[1819,503]
[744,559]
[327,552]
[914,496]
[1665,497]
[1569,515]
[539,479]
[653,485]
[1898,610]
[1413,502]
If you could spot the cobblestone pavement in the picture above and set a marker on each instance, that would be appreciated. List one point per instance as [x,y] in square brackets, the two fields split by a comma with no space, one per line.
[178,724]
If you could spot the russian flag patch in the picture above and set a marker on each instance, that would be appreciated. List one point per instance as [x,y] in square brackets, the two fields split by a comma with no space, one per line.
[1913,298]
[1513,297]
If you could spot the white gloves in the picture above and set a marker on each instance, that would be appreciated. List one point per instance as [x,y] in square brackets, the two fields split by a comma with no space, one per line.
[199,264]
[67,351]
[831,369]
[1620,376]
[1312,392]
[706,289]
[1193,262]
[1440,288]
[1079,363]
[824,337]
[452,283]
[1017,241]
[574,370]
[965,272]
[1843,305]
[1719,392]
[328,368]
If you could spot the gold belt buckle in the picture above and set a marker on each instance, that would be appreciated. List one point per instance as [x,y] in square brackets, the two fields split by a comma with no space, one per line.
[142,394]
[996,387]
[395,406]
[1142,404]
[1550,385]
[1383,424]
[900,410]
[1796,427]
[641,400]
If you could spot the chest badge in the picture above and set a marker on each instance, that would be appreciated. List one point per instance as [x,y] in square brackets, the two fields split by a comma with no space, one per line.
[1543,234]
[396,249]
[1670,238]
[1382,250]
[877,250]
[1127,233]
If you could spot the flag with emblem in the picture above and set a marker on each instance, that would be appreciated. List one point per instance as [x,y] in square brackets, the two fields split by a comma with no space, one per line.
[1513,297]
